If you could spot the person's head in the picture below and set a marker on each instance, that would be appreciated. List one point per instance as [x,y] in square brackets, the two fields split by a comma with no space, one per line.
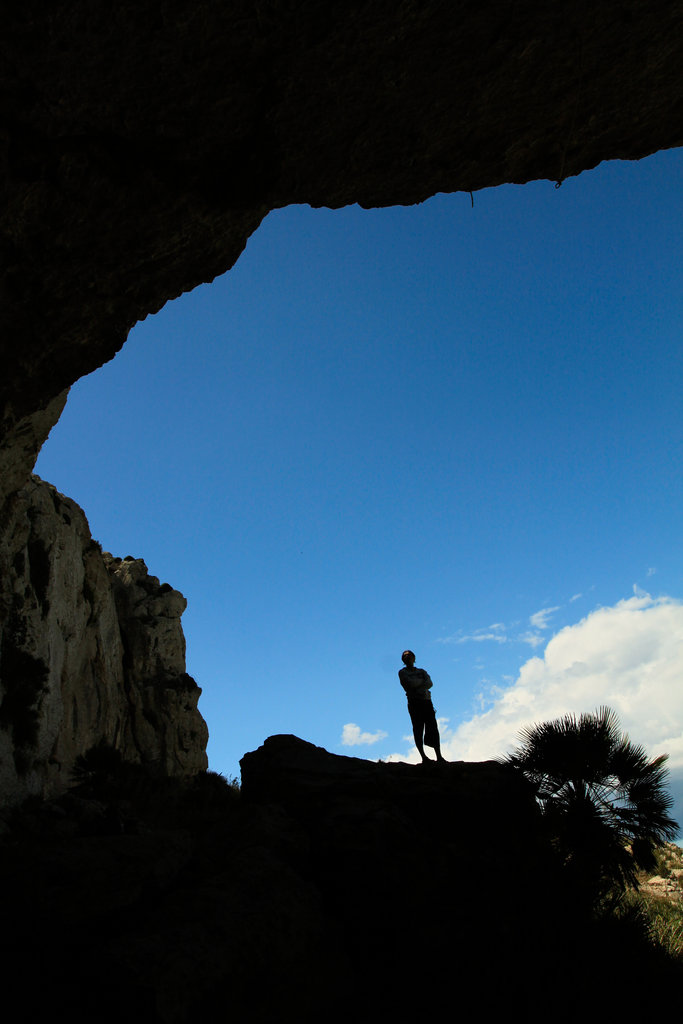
[408,658]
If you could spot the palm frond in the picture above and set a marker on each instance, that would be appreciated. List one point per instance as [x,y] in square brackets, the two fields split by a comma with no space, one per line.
[606,801]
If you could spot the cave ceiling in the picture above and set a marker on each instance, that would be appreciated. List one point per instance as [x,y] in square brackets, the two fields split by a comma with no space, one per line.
[143,142]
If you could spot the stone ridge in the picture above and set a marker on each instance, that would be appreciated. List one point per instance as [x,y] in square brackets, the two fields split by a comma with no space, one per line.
[293,772]
[91,649]
[328,888]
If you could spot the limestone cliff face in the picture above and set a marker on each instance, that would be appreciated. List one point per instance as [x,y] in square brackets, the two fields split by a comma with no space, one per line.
[91,649]
[164,727]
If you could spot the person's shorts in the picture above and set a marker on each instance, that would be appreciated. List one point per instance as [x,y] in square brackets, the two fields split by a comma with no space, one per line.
[423,717]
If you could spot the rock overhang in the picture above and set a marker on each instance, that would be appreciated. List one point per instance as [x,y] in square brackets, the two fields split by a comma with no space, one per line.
[143,146]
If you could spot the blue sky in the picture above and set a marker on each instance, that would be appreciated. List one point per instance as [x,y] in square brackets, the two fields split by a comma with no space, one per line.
[444,427]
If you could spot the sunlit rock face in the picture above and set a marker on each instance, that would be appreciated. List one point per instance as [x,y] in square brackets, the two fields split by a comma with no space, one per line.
[92,650]
[165,729]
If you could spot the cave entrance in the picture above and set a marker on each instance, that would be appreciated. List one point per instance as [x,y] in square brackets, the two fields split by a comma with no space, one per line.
[438,426]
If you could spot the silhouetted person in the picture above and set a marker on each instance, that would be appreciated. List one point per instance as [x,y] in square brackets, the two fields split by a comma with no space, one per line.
[417,684]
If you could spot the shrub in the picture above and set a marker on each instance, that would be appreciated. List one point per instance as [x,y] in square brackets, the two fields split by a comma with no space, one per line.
[604,803]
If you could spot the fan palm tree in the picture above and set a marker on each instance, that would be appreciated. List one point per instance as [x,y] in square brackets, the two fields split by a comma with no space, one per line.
[605,804]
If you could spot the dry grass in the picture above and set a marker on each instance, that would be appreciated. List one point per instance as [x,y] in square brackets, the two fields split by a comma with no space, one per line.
[659,901]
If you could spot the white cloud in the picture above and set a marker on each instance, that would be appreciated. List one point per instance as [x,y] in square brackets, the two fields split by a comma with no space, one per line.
[495,632]
[477,637]
[651,572]
[353,737]
[628,656]
[575,597]
[539,620]
[533,639]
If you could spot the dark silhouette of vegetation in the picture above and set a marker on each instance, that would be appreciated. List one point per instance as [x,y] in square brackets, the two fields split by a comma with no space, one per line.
[24,679]
[135,796]
[605,805]
[99,763]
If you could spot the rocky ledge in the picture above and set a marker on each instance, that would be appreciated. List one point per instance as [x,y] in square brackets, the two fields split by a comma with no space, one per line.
[329,886]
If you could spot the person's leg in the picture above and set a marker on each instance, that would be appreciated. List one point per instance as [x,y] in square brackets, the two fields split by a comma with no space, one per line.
[418,730]
[432,737]
[417,736]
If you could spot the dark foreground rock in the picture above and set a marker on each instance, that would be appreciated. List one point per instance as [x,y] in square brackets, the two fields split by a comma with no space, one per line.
[329,888]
